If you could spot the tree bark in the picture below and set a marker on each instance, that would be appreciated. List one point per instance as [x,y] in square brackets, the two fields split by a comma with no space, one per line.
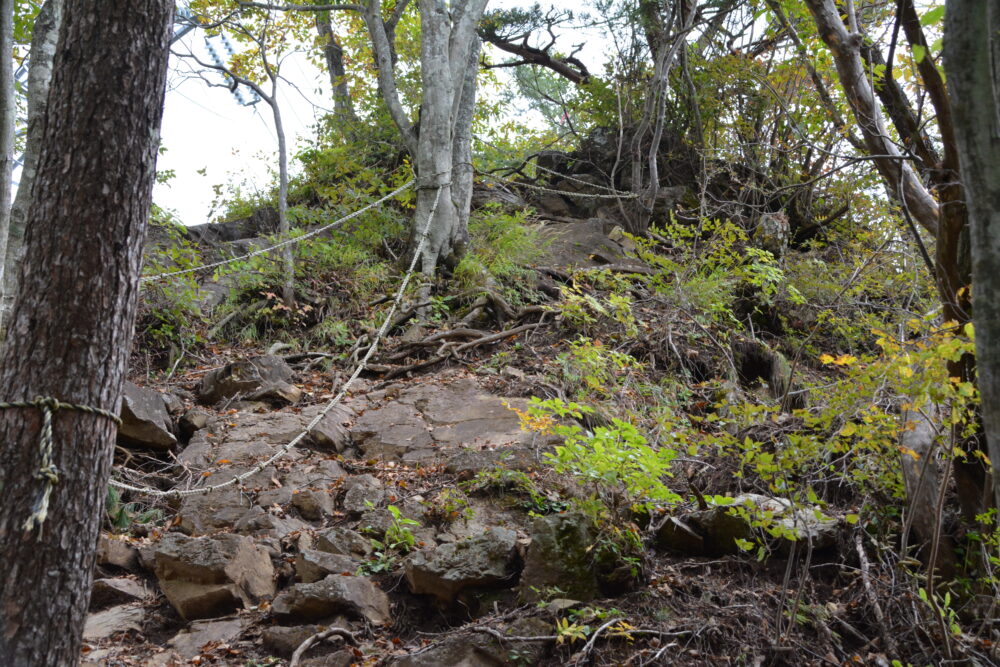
[972,63]
[43,49]
[7,117]
[73,316]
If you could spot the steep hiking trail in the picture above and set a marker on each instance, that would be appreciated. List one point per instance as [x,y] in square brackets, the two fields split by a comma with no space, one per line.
[439,515]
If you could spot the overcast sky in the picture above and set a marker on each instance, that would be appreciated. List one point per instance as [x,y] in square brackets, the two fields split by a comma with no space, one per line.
[213,140]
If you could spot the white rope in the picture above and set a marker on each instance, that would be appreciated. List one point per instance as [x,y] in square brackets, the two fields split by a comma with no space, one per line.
[177,493]
[282,244]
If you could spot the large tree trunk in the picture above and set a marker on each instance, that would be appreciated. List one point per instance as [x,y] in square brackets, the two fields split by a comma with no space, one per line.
[72,321]
[43,49]
[972,62]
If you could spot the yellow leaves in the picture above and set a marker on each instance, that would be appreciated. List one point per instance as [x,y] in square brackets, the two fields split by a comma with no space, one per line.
[848,430]
[842,360]
[909,452]
[905,372]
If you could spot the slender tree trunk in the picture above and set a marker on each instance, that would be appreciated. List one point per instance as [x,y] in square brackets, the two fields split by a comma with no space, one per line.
[43,49]
[287,256]
[972,62]
[72,322]
[8,114]
[343,105]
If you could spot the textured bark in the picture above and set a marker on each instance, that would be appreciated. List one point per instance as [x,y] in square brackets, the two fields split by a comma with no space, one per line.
[972,63]
[43,49]
[73,316]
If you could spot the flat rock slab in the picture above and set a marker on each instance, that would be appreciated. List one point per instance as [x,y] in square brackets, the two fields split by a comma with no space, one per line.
[108,592]
[427,419]
[201,634]
[105,623]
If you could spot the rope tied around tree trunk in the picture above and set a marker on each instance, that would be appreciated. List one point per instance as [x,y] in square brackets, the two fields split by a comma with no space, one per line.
[48,471]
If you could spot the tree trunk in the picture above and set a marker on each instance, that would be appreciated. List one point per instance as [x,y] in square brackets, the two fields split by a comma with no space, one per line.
[896,171]
[43,49]
[343,105]
[287,256]
[972,63]
[72,322]
[8,113]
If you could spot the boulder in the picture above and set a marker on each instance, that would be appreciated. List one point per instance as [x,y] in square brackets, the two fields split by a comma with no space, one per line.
[559,556]
[220,509]
[487,561]
[336,594]
[210,576]
[115,552]
[260,378]
[330,434]
[313,505]
[191,642]
[312,566]
[721,526]
[145,420]
[362,492]
[192,421]
[343,541]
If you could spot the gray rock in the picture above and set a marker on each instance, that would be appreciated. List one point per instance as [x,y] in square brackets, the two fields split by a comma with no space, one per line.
[312,566]
[108,592]
[209,513]
[190,642]
[145,421]
[331,433]
[313,505]
[258,523]
[559,556]
[259,378]
[487,561]
[362,492]
[721,526]
[192,421]
[344,542]
[395,432]
[117,553]
[336,594]
[105,623]
[209,576]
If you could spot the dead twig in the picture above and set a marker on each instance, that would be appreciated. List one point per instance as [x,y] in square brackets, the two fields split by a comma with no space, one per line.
[346,635]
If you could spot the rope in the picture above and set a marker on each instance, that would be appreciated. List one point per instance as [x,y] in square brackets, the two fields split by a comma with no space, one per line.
[48,471]
[284,449]
[282,244]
